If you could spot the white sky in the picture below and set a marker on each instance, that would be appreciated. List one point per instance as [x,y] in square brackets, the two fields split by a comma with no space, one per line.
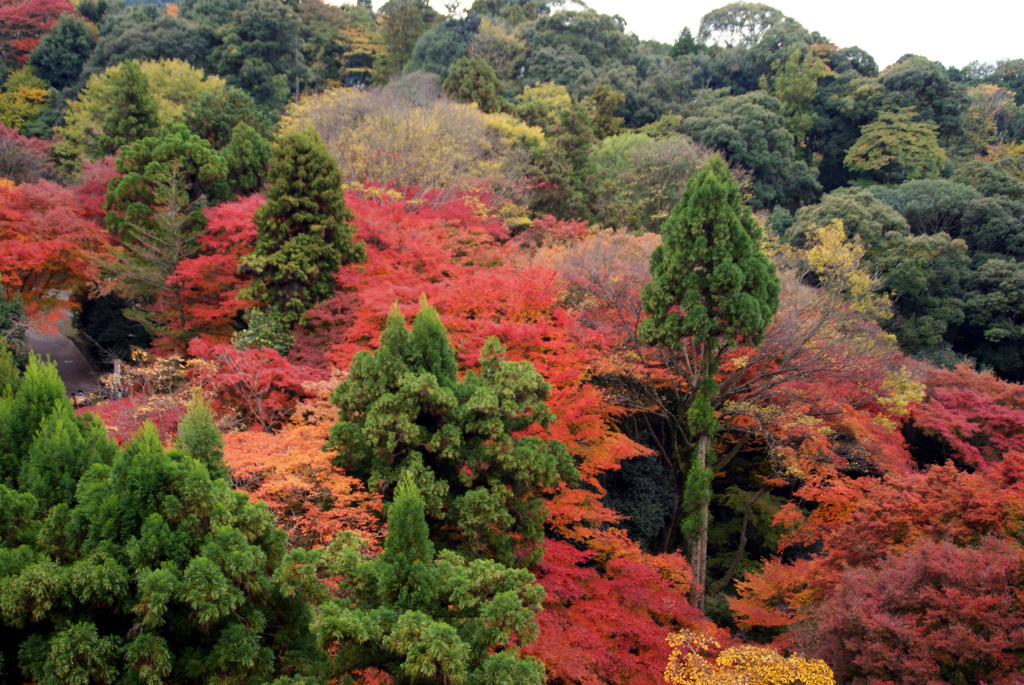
[954,32]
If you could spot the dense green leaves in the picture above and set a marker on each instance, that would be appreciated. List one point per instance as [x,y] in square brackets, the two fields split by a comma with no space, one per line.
[133,565]
[751,131]
[132,114]
[175,161]
[710,279]
[896,147]
[426,617]
[303,231]
[62,52]
[403,408]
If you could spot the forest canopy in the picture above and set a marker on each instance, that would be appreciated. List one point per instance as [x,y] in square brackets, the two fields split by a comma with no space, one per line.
[493,344]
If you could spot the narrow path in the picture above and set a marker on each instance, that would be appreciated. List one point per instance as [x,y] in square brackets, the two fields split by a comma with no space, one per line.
[74,369]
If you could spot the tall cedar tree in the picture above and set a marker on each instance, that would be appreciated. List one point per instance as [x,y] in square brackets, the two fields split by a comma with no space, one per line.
[424,616]
[404,408]
[711,287]
[303,231]
[133,109]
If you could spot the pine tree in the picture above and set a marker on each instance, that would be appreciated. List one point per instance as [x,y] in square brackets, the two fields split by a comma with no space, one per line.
[303,231]
[404,408]
[711,287]
[472,79]
[133,109]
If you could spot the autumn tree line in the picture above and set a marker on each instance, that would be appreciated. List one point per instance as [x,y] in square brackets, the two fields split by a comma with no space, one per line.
[503,347]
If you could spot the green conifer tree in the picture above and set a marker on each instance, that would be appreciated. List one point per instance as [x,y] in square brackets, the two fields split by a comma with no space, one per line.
[200,438]
[132,565]
[711,287]
[247,155]
[427,617]
[303,231]
[472,79]
[22,413]
[133,109]
[403,408]
[57,458]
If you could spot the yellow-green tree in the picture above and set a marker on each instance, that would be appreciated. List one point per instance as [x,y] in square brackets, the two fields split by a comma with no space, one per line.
[176,85]
[795,84]
[22,99]
[897,147]
[426,152]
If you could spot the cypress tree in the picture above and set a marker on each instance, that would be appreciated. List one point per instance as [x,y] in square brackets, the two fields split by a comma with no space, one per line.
[133,109]
[404,408]
[428,617]
[132,565]
[200,438]
[303,231]
[711,286]
[247,155]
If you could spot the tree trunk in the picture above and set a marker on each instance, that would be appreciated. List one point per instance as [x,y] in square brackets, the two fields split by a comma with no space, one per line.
[699,545]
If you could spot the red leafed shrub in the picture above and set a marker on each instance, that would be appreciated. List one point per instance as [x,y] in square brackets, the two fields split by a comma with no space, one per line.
[252,386]
[937,613]
[23,23]
[24,160]
[978,416]
[92,186]
[209,283]
[547,231]
[608,625]
[47,244]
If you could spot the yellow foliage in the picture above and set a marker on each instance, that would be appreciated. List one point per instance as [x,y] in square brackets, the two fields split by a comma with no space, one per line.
[990,106]
[836,261]
[691,664]
[515,131]
[429,152]
[901,390]
[23,98]
[176,84]
[498,46]
[543,104]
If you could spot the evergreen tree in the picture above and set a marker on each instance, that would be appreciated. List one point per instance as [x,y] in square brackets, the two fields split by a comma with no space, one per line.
[133,109]
[472,79]
[711,287]
[427,617]
[247,155]
[62,52]
[303,231]
[132,565]
[564,168]
[217,113]
[172,156]
[404,408]
[199,436]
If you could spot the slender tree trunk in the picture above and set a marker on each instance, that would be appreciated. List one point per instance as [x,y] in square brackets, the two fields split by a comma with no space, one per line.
[699,545]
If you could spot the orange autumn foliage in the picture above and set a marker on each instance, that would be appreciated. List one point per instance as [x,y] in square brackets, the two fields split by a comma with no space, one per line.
[291,473]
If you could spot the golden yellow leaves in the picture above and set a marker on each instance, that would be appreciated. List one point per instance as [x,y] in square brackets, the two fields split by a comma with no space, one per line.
[692,663]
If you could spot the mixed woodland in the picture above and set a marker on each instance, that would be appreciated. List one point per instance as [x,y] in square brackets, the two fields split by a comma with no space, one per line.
[503,347]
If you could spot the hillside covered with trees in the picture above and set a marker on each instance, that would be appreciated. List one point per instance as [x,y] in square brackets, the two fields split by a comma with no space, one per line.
[502,347]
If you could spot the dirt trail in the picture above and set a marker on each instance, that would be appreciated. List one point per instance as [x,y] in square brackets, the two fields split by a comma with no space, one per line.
[73,367]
